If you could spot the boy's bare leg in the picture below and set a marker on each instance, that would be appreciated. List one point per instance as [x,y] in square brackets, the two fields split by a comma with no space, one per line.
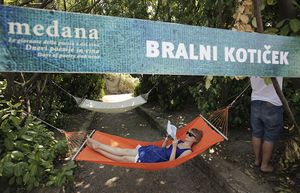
[257,148]
[267,150]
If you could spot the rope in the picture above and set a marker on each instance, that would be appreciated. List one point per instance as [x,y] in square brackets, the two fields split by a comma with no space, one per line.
[60,130]
[146,95]
[62,89]
[231,104]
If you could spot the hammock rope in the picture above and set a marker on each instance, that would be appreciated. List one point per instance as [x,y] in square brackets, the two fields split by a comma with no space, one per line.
[219,118]
[74,139]
[240,95]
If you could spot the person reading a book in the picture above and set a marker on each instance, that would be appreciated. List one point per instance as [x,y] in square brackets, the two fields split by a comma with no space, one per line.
[150,153]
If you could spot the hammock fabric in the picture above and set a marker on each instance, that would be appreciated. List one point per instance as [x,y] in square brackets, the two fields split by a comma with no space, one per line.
[111,107]
[116,106]
[210,137]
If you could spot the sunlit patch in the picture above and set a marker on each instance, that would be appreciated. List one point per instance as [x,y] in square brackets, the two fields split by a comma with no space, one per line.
[111,182]
[79,184]
[162,182]
[114,143]
[87,186]
[139,181]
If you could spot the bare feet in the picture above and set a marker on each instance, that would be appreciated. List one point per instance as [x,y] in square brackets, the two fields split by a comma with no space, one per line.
[90,143]
[267,169]
[257,163]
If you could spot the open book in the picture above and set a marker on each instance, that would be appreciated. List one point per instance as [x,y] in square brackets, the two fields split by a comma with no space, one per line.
[171,130]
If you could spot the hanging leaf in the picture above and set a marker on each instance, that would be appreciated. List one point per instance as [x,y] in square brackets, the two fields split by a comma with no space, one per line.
[295,25]
[254,23]
[280,24]
[285,30]
[26,178]
[296,4]
[8,143]
[27,138]
[271,2]
[18,170]
[208,81]
[8,169]
[262,5]
[268,80]
[17,155]
[271,30]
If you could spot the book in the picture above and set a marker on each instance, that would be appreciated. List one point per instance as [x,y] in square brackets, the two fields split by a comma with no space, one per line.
[171,130]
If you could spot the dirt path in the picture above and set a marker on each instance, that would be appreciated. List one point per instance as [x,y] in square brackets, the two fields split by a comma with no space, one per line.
[94,178]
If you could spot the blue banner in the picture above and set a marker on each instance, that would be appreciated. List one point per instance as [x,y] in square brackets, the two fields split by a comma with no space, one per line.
[34,40]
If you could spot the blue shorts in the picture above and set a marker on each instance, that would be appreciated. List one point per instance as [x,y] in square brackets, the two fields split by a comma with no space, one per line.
[266,120]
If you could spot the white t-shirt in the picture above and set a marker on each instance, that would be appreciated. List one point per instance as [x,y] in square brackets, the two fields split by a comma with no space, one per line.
[263,92]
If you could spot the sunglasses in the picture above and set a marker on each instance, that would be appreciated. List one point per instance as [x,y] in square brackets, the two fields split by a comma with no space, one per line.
[190,134]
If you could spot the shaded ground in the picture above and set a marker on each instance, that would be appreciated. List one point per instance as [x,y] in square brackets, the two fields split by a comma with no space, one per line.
[230,162]
[102,178]
[236,158]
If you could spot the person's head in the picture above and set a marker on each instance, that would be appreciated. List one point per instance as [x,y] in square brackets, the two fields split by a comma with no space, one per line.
[194,135]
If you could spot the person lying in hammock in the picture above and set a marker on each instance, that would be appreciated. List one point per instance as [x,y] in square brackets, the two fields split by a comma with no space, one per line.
[150,153]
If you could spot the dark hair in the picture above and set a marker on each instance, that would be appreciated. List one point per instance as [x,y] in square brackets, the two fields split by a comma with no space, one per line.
[198,134]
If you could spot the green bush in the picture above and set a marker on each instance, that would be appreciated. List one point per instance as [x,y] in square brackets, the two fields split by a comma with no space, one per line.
[212,93]
[171,92]
[28,151]
[86,86]
[207,93]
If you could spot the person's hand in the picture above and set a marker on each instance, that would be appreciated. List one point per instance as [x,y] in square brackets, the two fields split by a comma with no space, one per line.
[175,141]
[166,138]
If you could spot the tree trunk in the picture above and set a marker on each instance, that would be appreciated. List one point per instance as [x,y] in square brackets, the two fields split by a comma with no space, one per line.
[260,29]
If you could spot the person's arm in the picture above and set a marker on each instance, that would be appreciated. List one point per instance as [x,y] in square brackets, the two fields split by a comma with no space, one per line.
[165,142]
[174,148]
[185,153]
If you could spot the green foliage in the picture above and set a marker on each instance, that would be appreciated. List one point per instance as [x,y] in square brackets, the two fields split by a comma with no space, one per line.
[28,151]
[212,93]
[274,24]
[62,176]
[86,86]
[170,91]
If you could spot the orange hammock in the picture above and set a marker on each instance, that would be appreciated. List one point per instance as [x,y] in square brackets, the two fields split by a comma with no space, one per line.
[210,137]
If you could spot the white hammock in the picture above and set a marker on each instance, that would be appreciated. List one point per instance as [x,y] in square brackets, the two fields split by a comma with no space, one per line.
[115,105]
[111,107]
